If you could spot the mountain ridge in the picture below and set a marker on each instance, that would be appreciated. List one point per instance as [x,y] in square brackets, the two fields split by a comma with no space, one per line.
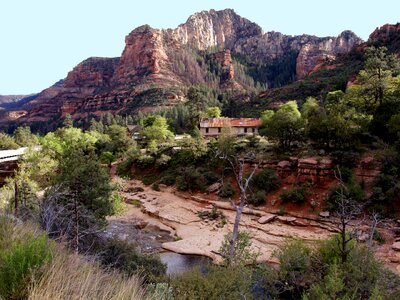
[174,59]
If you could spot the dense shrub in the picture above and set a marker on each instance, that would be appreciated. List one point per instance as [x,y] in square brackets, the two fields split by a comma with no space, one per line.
[155,186]
[20,260]
[143,161]
[124,168]
[190,179]
[258,198]
[210,177]
[118,205]
[295,195]
[181,183]
[217,283]
[354,192]
[227,190]
[360,277]
[168,179]
[266,180]
[346,174]
[295,266]
[149,179]
[125,257]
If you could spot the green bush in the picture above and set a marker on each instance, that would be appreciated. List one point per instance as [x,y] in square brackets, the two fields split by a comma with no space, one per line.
[346,174]
[295,266]
[258,198]
[190,179]
[19,262]
[213,214]
[359,278]
[354,192]
[149,179]
[117,203]
[124,256]
[144,161]
[267,180]
[210,177]
[217,283]
[227,190]
[168,179]
[155,187]
[295,195]
[181,183]
[124,168]
[378,237]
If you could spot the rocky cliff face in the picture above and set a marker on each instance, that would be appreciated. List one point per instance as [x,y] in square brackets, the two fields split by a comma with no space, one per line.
[387,35]
[169,60]
[313,55]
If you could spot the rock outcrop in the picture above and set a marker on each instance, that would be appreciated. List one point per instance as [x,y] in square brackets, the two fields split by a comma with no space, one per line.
[387,35]
[313,55]
[157,64]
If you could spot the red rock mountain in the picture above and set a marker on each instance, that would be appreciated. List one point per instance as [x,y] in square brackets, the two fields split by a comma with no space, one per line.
[388,35]
[157,65]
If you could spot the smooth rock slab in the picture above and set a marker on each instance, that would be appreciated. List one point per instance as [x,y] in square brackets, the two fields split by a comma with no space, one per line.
[286,219]
[396,246]
[266,219]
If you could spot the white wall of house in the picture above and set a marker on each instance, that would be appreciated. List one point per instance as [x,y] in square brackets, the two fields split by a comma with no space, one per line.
[210,132]
[239,131]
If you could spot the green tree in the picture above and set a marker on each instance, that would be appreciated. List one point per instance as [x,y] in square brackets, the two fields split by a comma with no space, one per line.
[119,141]
[286,125]
[213,112]
[380,66]
[96,126]
[68,122]
[156,128]
[7,142]
[243,254]
[24,137]
[197,104]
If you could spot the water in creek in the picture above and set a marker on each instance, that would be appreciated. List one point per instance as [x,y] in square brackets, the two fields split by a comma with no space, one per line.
[177,263]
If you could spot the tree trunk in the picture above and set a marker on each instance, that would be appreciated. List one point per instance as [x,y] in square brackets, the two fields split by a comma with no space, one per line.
[235,231]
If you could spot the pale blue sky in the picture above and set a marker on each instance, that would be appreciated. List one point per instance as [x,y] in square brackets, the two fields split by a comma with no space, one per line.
[41,40]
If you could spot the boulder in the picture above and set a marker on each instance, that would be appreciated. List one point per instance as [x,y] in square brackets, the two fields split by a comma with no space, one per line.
[214,187]
[363,237]
[307,162]
[286,219]
[324,214]
[266,219]
[396,246]
[284,164]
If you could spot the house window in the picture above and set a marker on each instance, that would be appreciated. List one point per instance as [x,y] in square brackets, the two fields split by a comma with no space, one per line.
[245,130]
[219,129]
[206,130]
[253,130]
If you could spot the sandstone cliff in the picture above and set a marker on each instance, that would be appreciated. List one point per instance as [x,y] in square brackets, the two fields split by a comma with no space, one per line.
[161,63]
[388,35]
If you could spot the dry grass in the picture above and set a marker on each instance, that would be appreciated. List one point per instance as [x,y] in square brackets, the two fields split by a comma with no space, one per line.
[70,277]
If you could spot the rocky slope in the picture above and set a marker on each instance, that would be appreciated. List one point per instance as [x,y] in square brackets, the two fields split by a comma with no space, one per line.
[10,101]
[160,63]
[388,35]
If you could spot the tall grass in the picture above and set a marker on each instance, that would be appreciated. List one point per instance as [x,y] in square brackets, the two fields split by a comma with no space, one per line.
[71,277]
[34,267]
